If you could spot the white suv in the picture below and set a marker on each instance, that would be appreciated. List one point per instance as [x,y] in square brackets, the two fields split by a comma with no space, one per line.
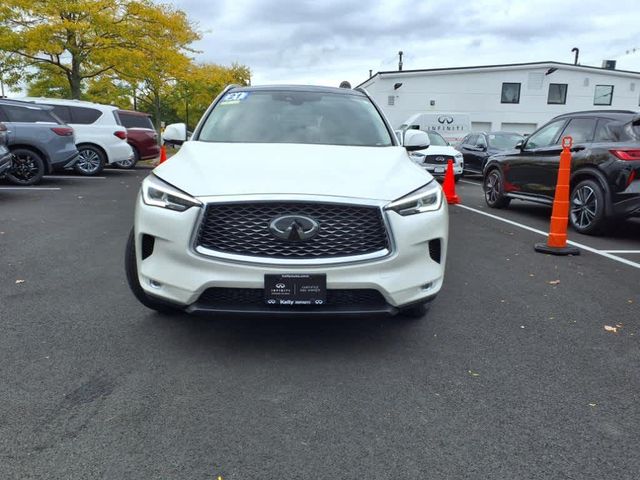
[99,136]
[435,158]
[289,200]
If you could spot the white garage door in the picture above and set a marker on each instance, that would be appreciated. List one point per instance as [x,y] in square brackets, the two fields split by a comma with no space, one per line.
[481,126]
[518,127]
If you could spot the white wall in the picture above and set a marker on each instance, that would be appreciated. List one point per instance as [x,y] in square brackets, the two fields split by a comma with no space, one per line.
[478,93]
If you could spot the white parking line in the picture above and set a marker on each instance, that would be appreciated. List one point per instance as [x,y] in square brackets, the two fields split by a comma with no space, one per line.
[29,188]
[620,251]
[73,177]
[570,242]
[470,183]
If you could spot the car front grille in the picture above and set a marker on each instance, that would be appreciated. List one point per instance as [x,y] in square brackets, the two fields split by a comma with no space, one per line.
[242,228]
[438,159]
[344,299]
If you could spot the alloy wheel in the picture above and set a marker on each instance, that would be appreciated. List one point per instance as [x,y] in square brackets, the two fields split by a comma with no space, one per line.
[126,163]
[24,166]
[584,206]
[492,187]
[89,161]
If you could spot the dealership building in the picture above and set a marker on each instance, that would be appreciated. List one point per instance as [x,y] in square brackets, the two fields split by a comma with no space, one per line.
[516,97]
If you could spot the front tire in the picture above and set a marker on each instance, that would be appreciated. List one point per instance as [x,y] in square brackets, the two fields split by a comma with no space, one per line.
[587,203]
[131,269]
[27,167]
[91,161]
[493,186]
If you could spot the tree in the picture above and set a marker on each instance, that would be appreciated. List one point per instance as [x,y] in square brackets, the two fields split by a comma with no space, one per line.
[84,39]
[11,68]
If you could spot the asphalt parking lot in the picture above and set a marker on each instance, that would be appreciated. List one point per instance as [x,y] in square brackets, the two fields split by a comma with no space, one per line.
[512,375]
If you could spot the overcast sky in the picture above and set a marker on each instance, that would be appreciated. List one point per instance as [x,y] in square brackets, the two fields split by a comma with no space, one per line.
[324,42]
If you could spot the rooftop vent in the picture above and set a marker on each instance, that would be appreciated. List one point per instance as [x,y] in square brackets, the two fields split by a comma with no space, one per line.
[609,64]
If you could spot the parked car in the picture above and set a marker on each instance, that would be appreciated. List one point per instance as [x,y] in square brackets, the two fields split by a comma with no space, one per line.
[39,141]
[141,135]
[99,137]
[5,154]
[318,212]
[435,158]
[605,168]
[478,147]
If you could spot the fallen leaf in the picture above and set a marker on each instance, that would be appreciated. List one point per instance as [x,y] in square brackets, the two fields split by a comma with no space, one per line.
[521,326]
[531,275]
[592,404]
[19,281]
[609,328]
[553,282]
[474,374]
[628,301]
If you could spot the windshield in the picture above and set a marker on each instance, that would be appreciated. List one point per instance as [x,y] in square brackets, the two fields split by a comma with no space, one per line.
[437,140]
[504,141]
[295,117]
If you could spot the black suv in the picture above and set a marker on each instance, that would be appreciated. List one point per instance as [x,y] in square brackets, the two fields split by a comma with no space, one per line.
[605,167]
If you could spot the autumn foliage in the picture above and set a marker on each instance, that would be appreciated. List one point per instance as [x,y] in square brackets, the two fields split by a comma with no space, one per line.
[132,53]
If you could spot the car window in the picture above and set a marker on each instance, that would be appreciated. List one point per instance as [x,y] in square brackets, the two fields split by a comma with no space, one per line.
[604,132]
[18,113]
[546,135]
[295,117]
[62,112]
[84,115]
[436,139]
[580,129]
[504,141]
[471,140]
[128,120]
[481,142]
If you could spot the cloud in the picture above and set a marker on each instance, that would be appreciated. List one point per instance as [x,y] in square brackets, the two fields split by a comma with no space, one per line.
[327,41]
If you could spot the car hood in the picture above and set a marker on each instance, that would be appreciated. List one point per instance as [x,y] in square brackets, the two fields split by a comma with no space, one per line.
[204,169]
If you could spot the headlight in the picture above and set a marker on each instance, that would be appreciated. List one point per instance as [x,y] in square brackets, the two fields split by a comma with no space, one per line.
[425,199]
[157,193]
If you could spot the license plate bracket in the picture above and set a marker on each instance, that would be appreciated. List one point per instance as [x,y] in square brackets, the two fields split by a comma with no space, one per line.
[295,289]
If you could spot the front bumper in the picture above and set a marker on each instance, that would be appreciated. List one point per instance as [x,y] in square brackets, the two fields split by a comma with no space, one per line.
[438,170]
[174,272]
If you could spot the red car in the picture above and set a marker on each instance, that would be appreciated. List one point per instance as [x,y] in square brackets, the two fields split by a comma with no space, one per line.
[141,135]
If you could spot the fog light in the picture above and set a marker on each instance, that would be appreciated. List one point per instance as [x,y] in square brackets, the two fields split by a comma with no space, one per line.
[427,286]
[155,284]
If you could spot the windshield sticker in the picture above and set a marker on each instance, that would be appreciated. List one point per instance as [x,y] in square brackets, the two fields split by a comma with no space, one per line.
[234,97]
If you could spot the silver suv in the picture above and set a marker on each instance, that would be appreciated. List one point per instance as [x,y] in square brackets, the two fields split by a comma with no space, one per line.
[39,141]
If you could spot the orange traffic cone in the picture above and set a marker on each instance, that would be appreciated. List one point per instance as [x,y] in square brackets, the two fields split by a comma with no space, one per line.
[449,185]
[163,155]
[557,240]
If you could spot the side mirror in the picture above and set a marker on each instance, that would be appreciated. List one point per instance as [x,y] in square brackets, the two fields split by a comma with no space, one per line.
[416,140]
[520,145]
[175,133]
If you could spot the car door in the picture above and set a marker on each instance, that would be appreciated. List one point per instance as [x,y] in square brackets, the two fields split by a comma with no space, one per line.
[581,130]
[525,172]
[469,153]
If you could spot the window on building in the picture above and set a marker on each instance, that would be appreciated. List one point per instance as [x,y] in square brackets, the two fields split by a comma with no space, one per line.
[546,135]
[603,95]
[510,93]
[557,94]
[580,129]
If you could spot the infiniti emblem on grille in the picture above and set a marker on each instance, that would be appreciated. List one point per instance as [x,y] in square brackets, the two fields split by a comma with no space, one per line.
[440,159]
[294,228]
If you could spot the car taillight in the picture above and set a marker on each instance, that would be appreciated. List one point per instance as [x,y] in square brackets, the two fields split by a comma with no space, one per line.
[120,134]
[63,131]
[630,155]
